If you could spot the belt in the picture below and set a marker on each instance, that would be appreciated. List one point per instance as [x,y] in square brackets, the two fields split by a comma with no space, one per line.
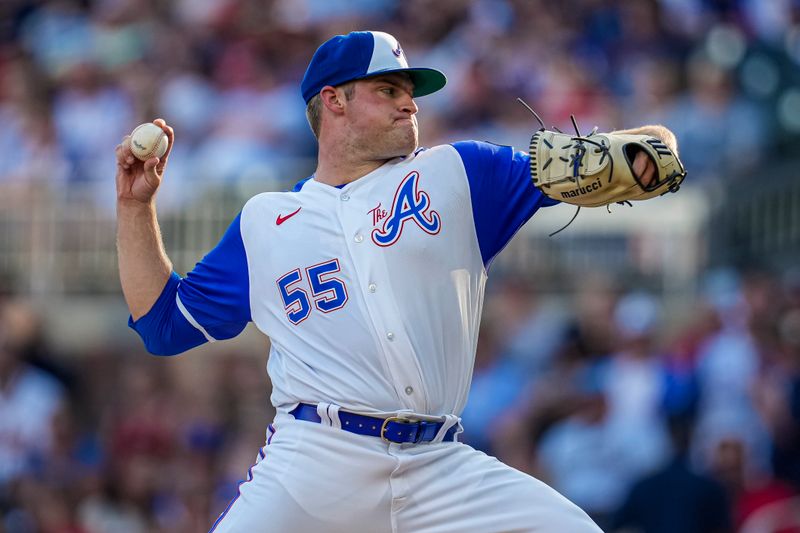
[395,429]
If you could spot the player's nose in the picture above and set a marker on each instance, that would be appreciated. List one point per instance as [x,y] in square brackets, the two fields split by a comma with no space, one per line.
[408,105]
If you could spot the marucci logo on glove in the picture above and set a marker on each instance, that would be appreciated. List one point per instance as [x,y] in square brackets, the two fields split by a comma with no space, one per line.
[582,190]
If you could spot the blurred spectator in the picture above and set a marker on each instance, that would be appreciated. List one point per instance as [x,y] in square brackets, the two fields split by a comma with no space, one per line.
[749,492]
[675,498]
[720,132]
[59,34]
[635,380]
[785,407]
[29,148]
[728,369]
[91,116]
[617,433]
[498,382]
[29,398]
[654,86]
[581,456]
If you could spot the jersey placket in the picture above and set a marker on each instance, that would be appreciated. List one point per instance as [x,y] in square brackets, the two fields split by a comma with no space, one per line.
[375,286]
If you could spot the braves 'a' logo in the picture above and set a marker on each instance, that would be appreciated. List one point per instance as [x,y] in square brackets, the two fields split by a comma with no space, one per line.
[410,204]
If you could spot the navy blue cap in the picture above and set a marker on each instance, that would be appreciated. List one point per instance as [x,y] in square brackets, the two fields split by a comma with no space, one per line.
[361,54]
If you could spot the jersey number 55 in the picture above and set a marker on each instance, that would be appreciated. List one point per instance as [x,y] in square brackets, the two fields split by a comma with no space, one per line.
[328,293]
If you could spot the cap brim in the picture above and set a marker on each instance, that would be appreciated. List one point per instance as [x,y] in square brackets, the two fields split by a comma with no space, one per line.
[426,80]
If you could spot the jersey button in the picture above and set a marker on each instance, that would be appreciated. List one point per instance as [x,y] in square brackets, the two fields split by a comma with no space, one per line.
[390,336]
[345,197]
[409,390]
[372,287]
[358,237]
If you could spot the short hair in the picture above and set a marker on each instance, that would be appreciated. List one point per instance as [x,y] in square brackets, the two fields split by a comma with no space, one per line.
[314,107]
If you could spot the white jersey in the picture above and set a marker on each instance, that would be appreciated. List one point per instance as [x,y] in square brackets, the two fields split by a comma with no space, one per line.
[371,293]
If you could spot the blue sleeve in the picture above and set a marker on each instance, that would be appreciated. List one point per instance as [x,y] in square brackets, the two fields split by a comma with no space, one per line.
[215,297]
[502,193]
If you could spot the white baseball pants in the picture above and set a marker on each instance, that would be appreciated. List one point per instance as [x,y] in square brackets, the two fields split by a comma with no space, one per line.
[316,478]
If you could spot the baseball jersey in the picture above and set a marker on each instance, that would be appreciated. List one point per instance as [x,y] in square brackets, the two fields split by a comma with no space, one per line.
[371,293]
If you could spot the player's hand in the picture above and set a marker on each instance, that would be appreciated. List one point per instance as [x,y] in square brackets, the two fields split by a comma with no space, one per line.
[139,180]
[644,167]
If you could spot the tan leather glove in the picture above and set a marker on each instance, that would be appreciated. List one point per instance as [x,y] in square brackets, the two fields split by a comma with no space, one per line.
[597,169]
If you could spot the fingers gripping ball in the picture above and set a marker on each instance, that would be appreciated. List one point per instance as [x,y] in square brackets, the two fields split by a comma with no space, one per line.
[148,140]
[597,169]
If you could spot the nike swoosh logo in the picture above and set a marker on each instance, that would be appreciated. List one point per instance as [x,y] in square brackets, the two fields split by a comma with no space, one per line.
[280,220]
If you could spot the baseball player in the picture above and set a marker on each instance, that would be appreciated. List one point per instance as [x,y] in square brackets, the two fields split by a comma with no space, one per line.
[368,277]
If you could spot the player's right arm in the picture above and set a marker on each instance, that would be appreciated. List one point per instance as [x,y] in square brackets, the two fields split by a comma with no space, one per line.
[173,314]
[144,267]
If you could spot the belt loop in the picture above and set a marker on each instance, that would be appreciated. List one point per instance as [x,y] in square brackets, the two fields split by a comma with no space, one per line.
[449,422]
[322,411]
[333,414]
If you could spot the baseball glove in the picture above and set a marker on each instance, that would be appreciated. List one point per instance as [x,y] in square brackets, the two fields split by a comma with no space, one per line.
[597,169]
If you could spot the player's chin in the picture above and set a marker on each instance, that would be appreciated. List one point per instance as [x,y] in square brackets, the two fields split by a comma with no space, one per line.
[400,145]
[410,138]
[406,148]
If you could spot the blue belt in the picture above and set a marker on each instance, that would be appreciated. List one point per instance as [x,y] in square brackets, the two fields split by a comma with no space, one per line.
[393,429]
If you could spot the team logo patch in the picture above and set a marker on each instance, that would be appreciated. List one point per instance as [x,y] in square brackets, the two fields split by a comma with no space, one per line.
[378,213]
[397,51]
[410,204]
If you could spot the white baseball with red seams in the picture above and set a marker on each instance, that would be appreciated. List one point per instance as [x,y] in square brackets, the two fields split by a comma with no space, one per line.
[148,140]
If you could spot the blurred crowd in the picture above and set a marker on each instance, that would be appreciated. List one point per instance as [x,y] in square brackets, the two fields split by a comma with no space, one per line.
[77,75]
[111,440]
[650,419]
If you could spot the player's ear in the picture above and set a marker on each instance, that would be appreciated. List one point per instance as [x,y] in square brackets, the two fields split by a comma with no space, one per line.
[333,99]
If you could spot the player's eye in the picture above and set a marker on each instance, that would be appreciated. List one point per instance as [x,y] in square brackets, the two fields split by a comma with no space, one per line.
[388,90]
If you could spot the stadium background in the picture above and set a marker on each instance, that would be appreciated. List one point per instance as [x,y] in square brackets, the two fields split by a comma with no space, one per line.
[679,314]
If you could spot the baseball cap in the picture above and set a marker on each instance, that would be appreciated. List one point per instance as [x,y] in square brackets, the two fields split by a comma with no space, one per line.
[361,54]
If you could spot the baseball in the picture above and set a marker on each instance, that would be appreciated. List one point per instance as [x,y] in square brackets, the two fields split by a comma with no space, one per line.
[148,140]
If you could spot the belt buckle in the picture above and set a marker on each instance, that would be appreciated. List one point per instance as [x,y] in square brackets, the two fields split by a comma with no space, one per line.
[395,419]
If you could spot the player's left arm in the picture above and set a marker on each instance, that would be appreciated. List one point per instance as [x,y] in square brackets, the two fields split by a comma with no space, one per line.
[502,194]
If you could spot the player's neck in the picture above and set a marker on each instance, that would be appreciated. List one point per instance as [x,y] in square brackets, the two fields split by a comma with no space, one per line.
[338,167]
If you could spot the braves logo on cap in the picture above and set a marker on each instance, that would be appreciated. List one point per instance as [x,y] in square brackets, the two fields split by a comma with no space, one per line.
[410,204]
